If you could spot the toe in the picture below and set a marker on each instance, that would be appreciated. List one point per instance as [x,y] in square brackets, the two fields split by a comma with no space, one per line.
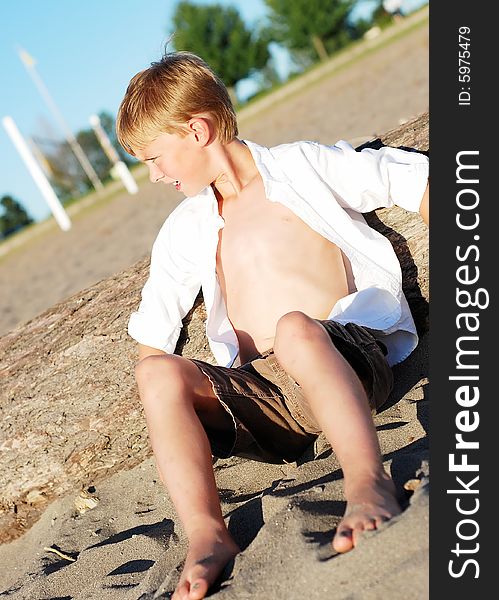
[370,525]
[357,532]
[381,519]
[181,592]
[343,541]
[349,533]
[198,589]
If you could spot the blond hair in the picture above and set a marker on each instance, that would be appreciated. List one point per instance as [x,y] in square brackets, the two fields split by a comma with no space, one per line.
[162,99]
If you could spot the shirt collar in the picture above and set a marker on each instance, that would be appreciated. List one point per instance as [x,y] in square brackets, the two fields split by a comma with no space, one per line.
[267,166]
[266,163]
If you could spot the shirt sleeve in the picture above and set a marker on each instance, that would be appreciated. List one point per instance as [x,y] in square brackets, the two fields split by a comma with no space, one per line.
[170,291]
[370,179]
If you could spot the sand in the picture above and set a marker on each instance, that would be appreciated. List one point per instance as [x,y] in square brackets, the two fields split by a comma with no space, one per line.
[130,545]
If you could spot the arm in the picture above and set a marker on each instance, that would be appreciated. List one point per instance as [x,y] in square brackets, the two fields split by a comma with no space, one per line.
[145,351]
[170,291]
[424,209]
[369,179]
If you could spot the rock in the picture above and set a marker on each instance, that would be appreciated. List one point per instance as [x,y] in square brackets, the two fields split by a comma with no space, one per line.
[85,501]
[35,497]
[412,485]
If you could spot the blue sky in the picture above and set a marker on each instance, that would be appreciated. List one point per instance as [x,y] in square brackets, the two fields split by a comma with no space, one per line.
[85,52]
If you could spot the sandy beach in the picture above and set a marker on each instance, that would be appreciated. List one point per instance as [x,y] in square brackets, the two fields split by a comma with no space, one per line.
[119,537]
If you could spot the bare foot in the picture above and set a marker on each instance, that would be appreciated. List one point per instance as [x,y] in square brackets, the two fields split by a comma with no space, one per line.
[369,504]
[209,552]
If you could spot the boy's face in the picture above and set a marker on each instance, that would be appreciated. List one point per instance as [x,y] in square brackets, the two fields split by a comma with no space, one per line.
[177,160]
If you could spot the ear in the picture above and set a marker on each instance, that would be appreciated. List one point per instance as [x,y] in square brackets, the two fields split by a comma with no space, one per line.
[201,129]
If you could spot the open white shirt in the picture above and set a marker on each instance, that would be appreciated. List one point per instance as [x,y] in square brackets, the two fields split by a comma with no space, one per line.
[328,187]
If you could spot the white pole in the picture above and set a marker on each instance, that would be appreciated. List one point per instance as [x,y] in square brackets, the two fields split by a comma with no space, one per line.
[120,167]
[126,177]
[29,63]
[41,181]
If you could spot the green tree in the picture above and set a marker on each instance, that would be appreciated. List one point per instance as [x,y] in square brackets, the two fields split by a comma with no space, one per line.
[311,28]
[381,16]
[219,36]
[13,216]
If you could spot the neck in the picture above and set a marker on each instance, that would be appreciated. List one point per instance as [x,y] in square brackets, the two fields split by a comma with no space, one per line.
[235,168]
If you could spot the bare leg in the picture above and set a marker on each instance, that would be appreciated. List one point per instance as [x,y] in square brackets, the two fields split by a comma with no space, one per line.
[339,403]
[175,393]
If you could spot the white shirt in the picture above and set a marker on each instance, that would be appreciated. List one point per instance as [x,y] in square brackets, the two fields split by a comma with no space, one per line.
[327,187]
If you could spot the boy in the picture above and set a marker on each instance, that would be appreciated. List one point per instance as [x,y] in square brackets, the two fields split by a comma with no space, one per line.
[305,307]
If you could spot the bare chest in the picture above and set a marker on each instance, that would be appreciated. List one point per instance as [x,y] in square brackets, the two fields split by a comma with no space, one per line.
[269,263]
[259,232]
[265,247]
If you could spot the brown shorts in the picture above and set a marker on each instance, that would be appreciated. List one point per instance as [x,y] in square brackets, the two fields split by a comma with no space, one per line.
[272,420]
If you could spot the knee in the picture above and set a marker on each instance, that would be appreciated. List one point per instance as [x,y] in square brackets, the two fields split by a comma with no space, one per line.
[295,325]
[160,371]
[293,331]
[153,366]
